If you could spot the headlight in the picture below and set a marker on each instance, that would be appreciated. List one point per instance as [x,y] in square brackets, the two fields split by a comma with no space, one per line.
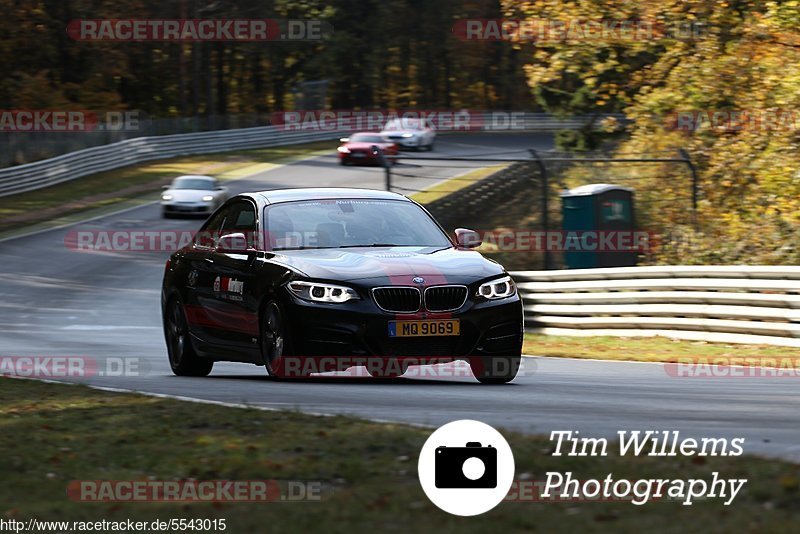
[166,197]
[317,292]
[208,198]
[407,135]
[343,150]
[497,289]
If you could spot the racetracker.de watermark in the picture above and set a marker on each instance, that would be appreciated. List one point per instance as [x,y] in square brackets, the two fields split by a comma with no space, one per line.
[409,367]
[191,30]
[60,120]
[737,120]
[504,240]
[441,120]
[133,240]
[508,240]
[735,367]
[550,31]
[554,490]
[195,491]
[71,366]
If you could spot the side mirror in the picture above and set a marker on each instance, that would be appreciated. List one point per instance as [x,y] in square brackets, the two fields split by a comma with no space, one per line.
[468,238]
[232,243]
[219,188]
[165,187]
[344,140]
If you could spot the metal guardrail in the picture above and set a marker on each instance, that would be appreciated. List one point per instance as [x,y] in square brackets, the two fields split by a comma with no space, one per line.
[88,161]
[133,151]
[735,304]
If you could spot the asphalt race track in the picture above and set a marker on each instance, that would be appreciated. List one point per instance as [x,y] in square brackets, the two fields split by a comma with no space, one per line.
[105,306]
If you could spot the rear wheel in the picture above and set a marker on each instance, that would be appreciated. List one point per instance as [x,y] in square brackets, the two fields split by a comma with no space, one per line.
[495,369]
[275,344]
[183,359]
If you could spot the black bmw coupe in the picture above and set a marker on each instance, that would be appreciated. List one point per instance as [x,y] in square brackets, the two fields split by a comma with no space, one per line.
[307,281]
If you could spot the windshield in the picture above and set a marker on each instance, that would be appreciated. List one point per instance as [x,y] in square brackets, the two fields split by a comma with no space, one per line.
[367,138]
[345,223]
[193,183]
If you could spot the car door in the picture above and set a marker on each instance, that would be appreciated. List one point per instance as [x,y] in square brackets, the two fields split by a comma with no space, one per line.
[233,304]
[200,278]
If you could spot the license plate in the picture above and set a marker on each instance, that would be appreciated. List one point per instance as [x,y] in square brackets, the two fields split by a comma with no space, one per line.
[358,154]
[431,327]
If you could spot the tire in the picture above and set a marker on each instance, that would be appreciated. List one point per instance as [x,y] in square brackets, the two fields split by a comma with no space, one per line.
[342,161]
[275,342]
[183,360]
[166,214]
[495,369]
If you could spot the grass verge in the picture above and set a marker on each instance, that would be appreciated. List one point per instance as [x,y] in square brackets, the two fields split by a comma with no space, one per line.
[654,349]
[53,434]
[128,186]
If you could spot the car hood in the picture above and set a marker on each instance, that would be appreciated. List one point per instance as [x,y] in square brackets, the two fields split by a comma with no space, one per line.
[392,265]
[188,195]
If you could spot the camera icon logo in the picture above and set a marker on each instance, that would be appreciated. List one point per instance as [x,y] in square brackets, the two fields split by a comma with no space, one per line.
[466,467]
[472,466]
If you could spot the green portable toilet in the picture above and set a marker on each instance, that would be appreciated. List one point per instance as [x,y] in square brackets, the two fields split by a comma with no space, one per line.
[599,219]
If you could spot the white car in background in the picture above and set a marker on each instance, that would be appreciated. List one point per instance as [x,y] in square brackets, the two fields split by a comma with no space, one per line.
[192,195]
[417,134]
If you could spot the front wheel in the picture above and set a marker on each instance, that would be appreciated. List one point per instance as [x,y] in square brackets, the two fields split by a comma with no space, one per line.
[183,359]
[495,369]
[275,344]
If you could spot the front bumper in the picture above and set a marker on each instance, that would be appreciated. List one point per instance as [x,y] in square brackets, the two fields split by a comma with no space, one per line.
[359,157]
[187,207]
[360,329]
[406,142]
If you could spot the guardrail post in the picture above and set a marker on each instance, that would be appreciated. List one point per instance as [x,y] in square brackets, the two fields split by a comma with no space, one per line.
[387,168]
[545,190]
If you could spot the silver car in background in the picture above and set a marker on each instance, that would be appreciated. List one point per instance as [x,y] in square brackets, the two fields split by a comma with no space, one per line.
[413,133]
[192,195]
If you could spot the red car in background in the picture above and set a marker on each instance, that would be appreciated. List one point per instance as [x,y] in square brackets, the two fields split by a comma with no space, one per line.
[357,149]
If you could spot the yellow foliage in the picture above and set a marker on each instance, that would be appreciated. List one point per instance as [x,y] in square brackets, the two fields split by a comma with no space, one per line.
[744,60]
